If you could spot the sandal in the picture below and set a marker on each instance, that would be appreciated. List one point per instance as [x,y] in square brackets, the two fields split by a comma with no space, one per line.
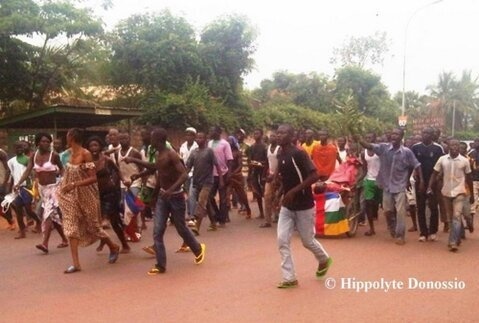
[199,259]
[156,270]
[42,248]
[71,270]
[321,272]
[183,249]
[149,249]
[286,284]
[63,245]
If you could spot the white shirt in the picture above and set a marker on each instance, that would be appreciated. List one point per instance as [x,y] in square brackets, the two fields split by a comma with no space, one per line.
[17,170]
[185,153]
[454,170]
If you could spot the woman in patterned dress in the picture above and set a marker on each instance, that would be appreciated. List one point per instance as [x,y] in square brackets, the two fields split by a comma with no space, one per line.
[80,203]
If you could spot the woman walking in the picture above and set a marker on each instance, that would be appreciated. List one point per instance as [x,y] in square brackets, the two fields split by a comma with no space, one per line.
[80,203]
[110,196]
[46,164]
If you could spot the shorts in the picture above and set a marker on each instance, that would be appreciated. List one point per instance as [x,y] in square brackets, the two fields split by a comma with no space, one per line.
[23,198]
[110,202]
[372,192]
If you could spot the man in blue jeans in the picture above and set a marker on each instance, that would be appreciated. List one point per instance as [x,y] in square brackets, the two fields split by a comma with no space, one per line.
[297,173]
[170,200]
[397,164]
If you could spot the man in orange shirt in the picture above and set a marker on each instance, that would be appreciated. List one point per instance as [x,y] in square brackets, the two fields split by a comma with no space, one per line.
[324,156]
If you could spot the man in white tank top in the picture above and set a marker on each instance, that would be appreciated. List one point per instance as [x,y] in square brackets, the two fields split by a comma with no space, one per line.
[271,200]
[372,193]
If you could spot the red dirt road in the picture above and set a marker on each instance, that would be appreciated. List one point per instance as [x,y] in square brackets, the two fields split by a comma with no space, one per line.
[236,283]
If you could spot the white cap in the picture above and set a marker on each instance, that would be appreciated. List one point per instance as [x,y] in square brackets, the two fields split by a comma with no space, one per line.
[191,129]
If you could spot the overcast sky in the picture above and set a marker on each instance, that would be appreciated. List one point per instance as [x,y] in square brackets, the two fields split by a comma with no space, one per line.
[299,35]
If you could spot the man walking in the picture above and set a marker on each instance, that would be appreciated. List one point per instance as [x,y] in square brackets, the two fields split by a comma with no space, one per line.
[297,174]
[427,153]
[456,172]
[397,164]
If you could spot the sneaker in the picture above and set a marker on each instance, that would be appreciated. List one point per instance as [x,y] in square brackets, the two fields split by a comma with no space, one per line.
[199,259]
[155,270]
[191,223]
[323,268]
[400,242]
[433,237]
[286,284]
[265,225]
[422,239]
[453,247]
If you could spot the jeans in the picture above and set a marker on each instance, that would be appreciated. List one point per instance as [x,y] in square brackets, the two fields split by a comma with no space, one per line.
[175,208]
[396,220]
[221,213]
[304,223]
[191,200]
[421,199]
[454,206]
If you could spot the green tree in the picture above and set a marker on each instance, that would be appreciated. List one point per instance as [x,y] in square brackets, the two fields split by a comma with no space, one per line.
[369,94]
[154,52]
[226,47]
[45,68]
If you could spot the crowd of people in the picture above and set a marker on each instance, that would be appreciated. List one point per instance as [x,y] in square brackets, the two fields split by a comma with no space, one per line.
[429,178]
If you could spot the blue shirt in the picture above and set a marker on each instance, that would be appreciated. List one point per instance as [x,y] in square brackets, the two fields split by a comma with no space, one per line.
[396,164]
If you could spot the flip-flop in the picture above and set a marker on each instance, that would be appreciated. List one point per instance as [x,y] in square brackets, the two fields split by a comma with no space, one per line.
[199,259]
[42,248]
[63,245]
[71,270]
[320,273]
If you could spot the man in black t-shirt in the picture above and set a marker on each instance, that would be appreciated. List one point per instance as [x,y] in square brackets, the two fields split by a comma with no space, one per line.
[427,153]
[297,174]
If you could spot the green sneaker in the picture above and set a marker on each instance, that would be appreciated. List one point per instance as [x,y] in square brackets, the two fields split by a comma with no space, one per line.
[323,268]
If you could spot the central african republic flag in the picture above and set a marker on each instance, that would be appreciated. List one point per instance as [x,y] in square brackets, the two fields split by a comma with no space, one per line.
[330,214]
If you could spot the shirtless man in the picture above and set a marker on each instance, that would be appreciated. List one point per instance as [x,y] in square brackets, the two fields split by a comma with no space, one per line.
[170,200]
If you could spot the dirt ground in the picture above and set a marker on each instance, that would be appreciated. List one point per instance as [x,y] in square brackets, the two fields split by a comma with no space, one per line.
[236,283]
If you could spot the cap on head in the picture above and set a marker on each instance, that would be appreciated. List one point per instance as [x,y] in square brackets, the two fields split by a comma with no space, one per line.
[191,129]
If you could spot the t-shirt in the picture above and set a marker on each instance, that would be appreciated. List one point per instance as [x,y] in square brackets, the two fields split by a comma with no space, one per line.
[17,166]
[309,148]
[223,154]
[202,161]
[294,166]
[258,152]
[324,158]
[427,155]
[454,170]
